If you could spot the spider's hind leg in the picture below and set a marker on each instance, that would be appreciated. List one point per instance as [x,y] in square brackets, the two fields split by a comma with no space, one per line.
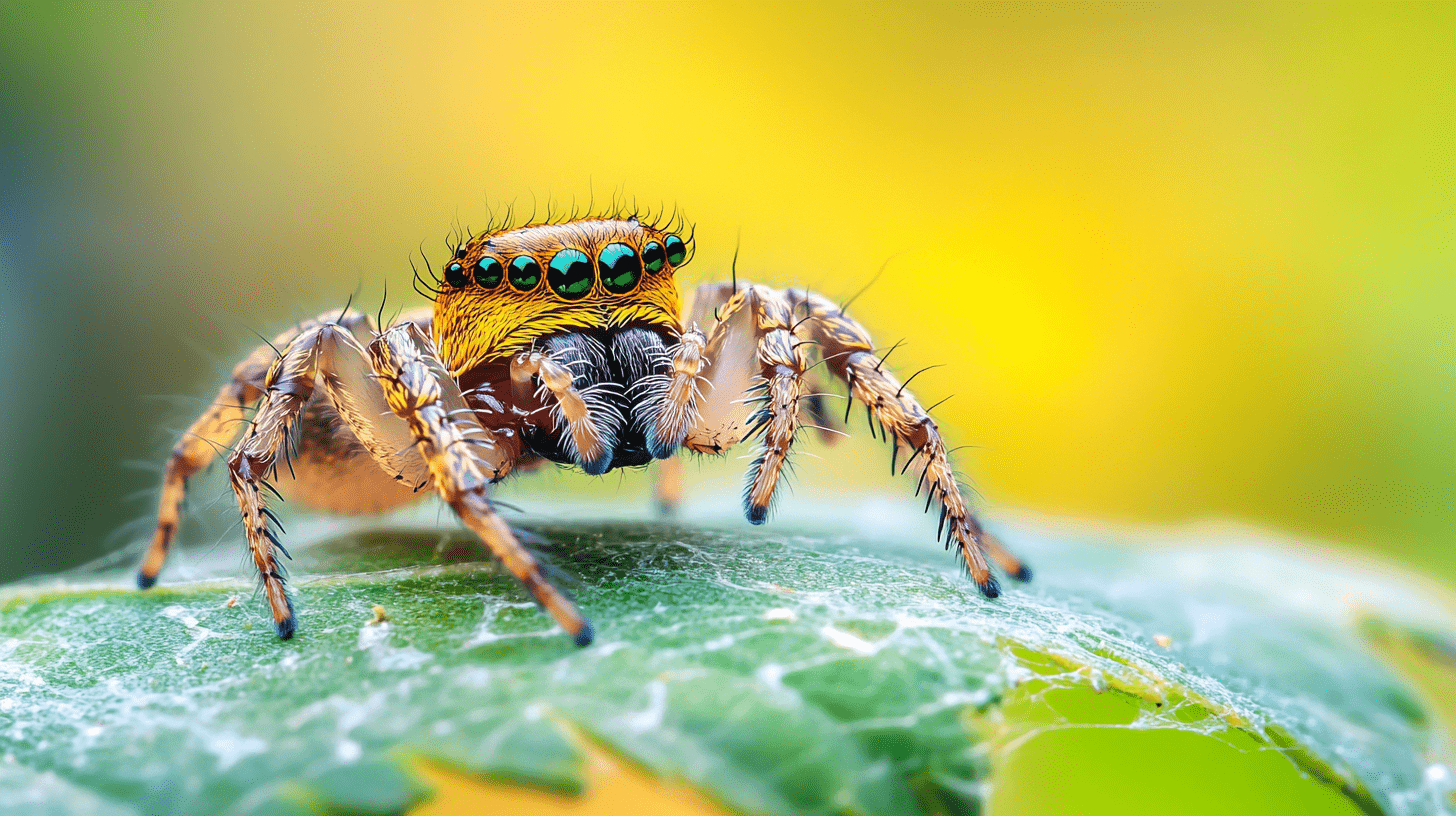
[331,355]
[222,422]
[214,431]
[341,423]
[847,352]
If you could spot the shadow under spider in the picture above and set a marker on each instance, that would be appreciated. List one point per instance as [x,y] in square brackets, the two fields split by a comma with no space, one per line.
[591,552]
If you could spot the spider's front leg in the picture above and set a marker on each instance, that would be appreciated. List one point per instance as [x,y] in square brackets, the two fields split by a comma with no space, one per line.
[463,458]
[755,366]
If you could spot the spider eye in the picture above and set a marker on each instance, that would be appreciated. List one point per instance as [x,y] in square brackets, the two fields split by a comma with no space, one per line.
[676,252]
[652,256]
[620,268]
[455,276]
[525,273]
[570,274]
[488,272]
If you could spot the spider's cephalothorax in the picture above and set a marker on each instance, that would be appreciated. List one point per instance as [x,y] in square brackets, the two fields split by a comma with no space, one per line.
[503,291]
[594,297]
[564,342]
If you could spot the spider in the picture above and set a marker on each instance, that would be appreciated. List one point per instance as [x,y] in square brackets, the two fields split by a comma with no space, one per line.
[562,341]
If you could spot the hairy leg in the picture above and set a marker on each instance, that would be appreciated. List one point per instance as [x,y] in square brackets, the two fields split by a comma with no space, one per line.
[783,361]
[463,458]
[215,430]
[848,354]
[592,432]
[328,353]
[756,374]
[676,392]
[742,316]
[733,366]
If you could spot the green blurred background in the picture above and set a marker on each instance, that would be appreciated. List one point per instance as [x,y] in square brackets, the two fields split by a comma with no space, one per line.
[1177,261]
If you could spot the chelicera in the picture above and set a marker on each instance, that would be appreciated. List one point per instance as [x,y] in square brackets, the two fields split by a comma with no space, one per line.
[562,342]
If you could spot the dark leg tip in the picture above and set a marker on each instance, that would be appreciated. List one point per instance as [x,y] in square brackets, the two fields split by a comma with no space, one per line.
[586,635]
[145,581]
[990,589]
[286,627]
[658,448]
[756,515]
[598,466]
[1024,574]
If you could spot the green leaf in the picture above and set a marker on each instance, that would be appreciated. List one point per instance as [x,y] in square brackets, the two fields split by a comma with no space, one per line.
[836,665]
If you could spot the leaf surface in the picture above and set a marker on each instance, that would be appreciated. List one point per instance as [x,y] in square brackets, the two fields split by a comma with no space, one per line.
[832,665]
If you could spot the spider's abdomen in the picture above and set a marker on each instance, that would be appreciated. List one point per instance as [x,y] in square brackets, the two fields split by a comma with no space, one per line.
[622,377]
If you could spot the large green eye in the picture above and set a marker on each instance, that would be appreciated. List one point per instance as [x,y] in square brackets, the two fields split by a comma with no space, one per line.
[652,256]
[455,276]
[525,273]
[676,252]
[570,274]
[620,268]
[488,272]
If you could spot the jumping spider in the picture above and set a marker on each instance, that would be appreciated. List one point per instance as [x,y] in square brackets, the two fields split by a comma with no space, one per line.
[565,342]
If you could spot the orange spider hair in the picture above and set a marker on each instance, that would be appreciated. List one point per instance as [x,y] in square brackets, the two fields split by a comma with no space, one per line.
[510,285]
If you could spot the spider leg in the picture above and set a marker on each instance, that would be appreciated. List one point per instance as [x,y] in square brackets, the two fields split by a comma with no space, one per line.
[670,413]
[847,353]
[756,367]
[667,486]
[679,413]
[463,457]
[783,360]
[215,430]
[673,416]
[288,387]
[329,353]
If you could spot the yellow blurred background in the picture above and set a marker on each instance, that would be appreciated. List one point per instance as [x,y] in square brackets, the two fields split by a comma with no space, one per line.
[1177,261]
